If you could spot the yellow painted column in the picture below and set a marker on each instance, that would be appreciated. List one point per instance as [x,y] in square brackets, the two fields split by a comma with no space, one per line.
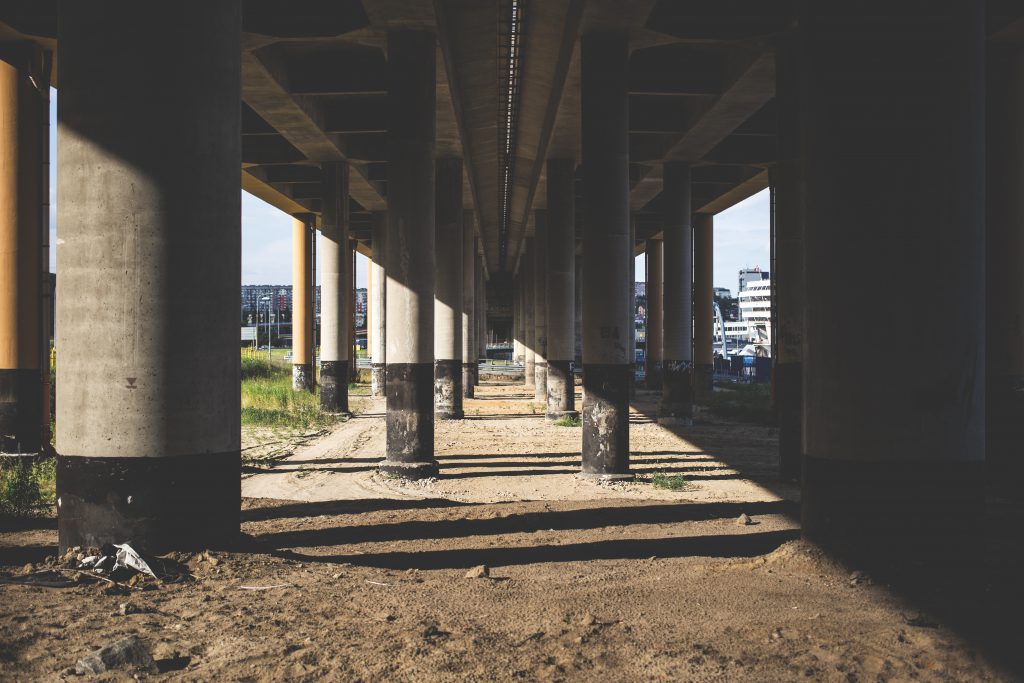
[302,303]
[23,190]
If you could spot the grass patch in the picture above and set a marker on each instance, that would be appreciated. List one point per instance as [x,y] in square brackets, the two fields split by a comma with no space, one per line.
[269,401]
[27,488]
[569,421]
[672,482]
[743,402]
[535,407]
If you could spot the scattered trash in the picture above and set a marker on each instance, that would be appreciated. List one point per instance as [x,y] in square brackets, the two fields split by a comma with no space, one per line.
[265,588]
[377,583]
[118,565]
[479,572]
[126,652]
[744,520]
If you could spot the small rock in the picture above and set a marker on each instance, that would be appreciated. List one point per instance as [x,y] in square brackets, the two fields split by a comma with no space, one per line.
[126,652]
[859,577]
[479,572]
[743,520]
[588,620]
[28,568]
[384,616]
[777,634]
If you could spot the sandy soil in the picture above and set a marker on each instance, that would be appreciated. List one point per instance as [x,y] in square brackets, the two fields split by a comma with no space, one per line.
[363,579]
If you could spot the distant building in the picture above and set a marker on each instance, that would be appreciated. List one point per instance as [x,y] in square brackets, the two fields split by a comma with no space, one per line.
[748,276]
[722,293]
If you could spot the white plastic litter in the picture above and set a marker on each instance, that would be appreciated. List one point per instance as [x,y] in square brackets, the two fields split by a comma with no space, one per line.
[127,557]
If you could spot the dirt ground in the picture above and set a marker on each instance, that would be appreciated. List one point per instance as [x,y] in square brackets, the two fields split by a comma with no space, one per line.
[348,576]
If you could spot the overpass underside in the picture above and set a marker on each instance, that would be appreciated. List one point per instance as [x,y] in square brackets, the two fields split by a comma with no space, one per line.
[502,163]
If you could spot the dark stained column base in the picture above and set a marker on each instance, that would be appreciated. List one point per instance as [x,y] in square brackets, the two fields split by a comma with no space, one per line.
[302,377]
[540,382]
[448,389]
[789,410]
[703,383]
[408,470]
[184,502]
[599,476]
[676,393]
[561,399]
[889,511]
[334,387]
[378,380]
[469,380]
[21,405]
[606,419]
[561,414]
[410,420]
[653,375]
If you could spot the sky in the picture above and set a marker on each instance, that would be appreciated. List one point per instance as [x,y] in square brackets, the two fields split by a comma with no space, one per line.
[741,235]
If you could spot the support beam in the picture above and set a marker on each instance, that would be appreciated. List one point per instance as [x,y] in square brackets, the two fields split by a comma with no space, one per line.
[448,292]
[540,306]
[335,299]
[147,386]
[469,351]
[378,303]
[704,302]
[410,263]
[677,374]
[894,464]
[606,318]
[24,230]
[654,357]
[303,234]
[561,289]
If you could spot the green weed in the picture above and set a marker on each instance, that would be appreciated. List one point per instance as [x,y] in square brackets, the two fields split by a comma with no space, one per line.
[569,421]
[672,482]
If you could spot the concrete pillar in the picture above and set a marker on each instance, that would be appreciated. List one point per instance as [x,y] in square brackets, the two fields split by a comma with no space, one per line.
[148,395]
[788,269]
[335,302]
[606,316]
[631,296]
[578,357]
[481,309]
[448,292]
[704,303]
[469,352]
[540,306]
[303,235]
[410,262]
[561,289]
[677,341]
[529,338]
[894,449]
[24,229]
[517,347]
[655,313]
[378,303]
[1005,268]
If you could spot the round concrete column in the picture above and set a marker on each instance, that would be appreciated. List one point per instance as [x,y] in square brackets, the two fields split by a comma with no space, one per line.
[335,304]
[540,306]
[561,294]
[578,312]
[606,315]
[410,263]
[149,259]
[448,292]
[24,365]
[469,352]
[378,302]
[481,308]
[894,449]
[677,373]
[1005,290]
[704,301]
[303,234]
[788,270]
[653,356]
[529,337]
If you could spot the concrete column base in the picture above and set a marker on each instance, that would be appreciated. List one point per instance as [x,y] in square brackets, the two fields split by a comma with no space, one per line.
[21,420]
[889,509]
[540,382]
[561,399]
[159,504]
[469,371]
[410,421]
[606,420]
[302,377]
[448,390]
[377,379]
[529,374]
[788,406]
[703,382]
[676,393]
[334,376]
